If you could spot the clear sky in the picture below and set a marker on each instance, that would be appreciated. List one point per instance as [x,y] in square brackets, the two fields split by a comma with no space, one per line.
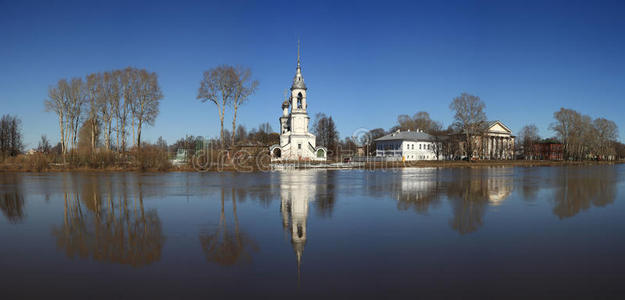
[364,62]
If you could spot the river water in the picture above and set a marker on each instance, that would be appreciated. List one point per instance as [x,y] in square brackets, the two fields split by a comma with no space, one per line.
[555,232]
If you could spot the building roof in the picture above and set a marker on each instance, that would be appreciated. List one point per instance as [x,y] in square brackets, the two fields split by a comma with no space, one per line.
[493,123]
[416,136]
[298,80]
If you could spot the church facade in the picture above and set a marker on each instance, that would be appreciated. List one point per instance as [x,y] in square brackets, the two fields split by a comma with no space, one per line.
[296,143]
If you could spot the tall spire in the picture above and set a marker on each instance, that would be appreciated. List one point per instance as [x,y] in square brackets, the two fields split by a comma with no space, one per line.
[298,65]
[298,80]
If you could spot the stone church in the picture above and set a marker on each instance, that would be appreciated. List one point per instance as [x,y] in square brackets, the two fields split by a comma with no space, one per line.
[296,143]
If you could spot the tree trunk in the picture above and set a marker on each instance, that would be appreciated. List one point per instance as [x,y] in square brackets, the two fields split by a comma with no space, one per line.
[234,124]
[62,126]
[139,135]
[221,134]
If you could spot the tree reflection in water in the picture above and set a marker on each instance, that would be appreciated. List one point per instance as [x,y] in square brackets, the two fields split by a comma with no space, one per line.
[325,194]
[579,188]
[12,197]
[469,191]
[107,226]
[223,246]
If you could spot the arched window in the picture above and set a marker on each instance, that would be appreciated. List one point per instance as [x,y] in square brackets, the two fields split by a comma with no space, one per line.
[299,100]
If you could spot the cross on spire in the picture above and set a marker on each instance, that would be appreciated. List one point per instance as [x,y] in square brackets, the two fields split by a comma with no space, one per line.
[298,53]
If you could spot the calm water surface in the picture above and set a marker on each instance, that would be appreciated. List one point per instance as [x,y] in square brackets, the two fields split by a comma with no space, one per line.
[554,232]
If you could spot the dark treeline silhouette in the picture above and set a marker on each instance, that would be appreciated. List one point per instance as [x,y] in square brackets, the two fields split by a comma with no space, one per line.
[10,136]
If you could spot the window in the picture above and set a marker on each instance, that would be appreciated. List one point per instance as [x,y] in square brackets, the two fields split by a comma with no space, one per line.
[419,146]
[299,146]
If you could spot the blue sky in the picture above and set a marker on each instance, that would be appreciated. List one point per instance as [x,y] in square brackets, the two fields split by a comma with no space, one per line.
[364,62]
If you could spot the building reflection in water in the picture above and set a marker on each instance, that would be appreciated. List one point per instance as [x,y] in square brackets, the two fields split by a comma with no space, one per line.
[105,219]
[417,189]
[12,197]
[471,191]
[224,246]
[298,188]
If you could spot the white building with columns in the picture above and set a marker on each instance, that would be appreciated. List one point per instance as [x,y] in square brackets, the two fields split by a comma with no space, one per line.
[296,143]
[496,142]
[499,141]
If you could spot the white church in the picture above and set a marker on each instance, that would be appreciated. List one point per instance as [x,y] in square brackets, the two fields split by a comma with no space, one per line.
[296,143]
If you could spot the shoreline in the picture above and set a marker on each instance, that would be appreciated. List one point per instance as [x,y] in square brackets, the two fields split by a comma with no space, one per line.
[330,166]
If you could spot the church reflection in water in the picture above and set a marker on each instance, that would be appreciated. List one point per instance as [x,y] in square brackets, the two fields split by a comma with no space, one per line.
[105,219]
[298,189]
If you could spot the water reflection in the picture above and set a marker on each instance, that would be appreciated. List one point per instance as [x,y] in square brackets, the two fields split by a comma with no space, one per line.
[297,189]
[578,189]
[417,189]
[105,219]
[472,190]
[12,197]
[325,192]
[469,191]
[224,247]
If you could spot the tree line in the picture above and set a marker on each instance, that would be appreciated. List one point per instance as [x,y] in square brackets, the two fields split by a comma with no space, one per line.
[582,136]
[112,104]
[10,136]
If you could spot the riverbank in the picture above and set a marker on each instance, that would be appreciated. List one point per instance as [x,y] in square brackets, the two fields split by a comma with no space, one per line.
[39,166]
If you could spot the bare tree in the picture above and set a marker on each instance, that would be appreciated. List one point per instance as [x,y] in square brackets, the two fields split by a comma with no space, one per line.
[124,105]
[10,136]
[419,121]
[108,93]
[583,137]
[325,131]
[469,118]
[77,99]
[57,103]
[147,102]
[92,82]
[528,137]
[44,145]
[244,87]
[607,134]
[217,86]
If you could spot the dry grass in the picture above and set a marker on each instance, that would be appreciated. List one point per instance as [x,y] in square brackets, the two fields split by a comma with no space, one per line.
[154,159]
